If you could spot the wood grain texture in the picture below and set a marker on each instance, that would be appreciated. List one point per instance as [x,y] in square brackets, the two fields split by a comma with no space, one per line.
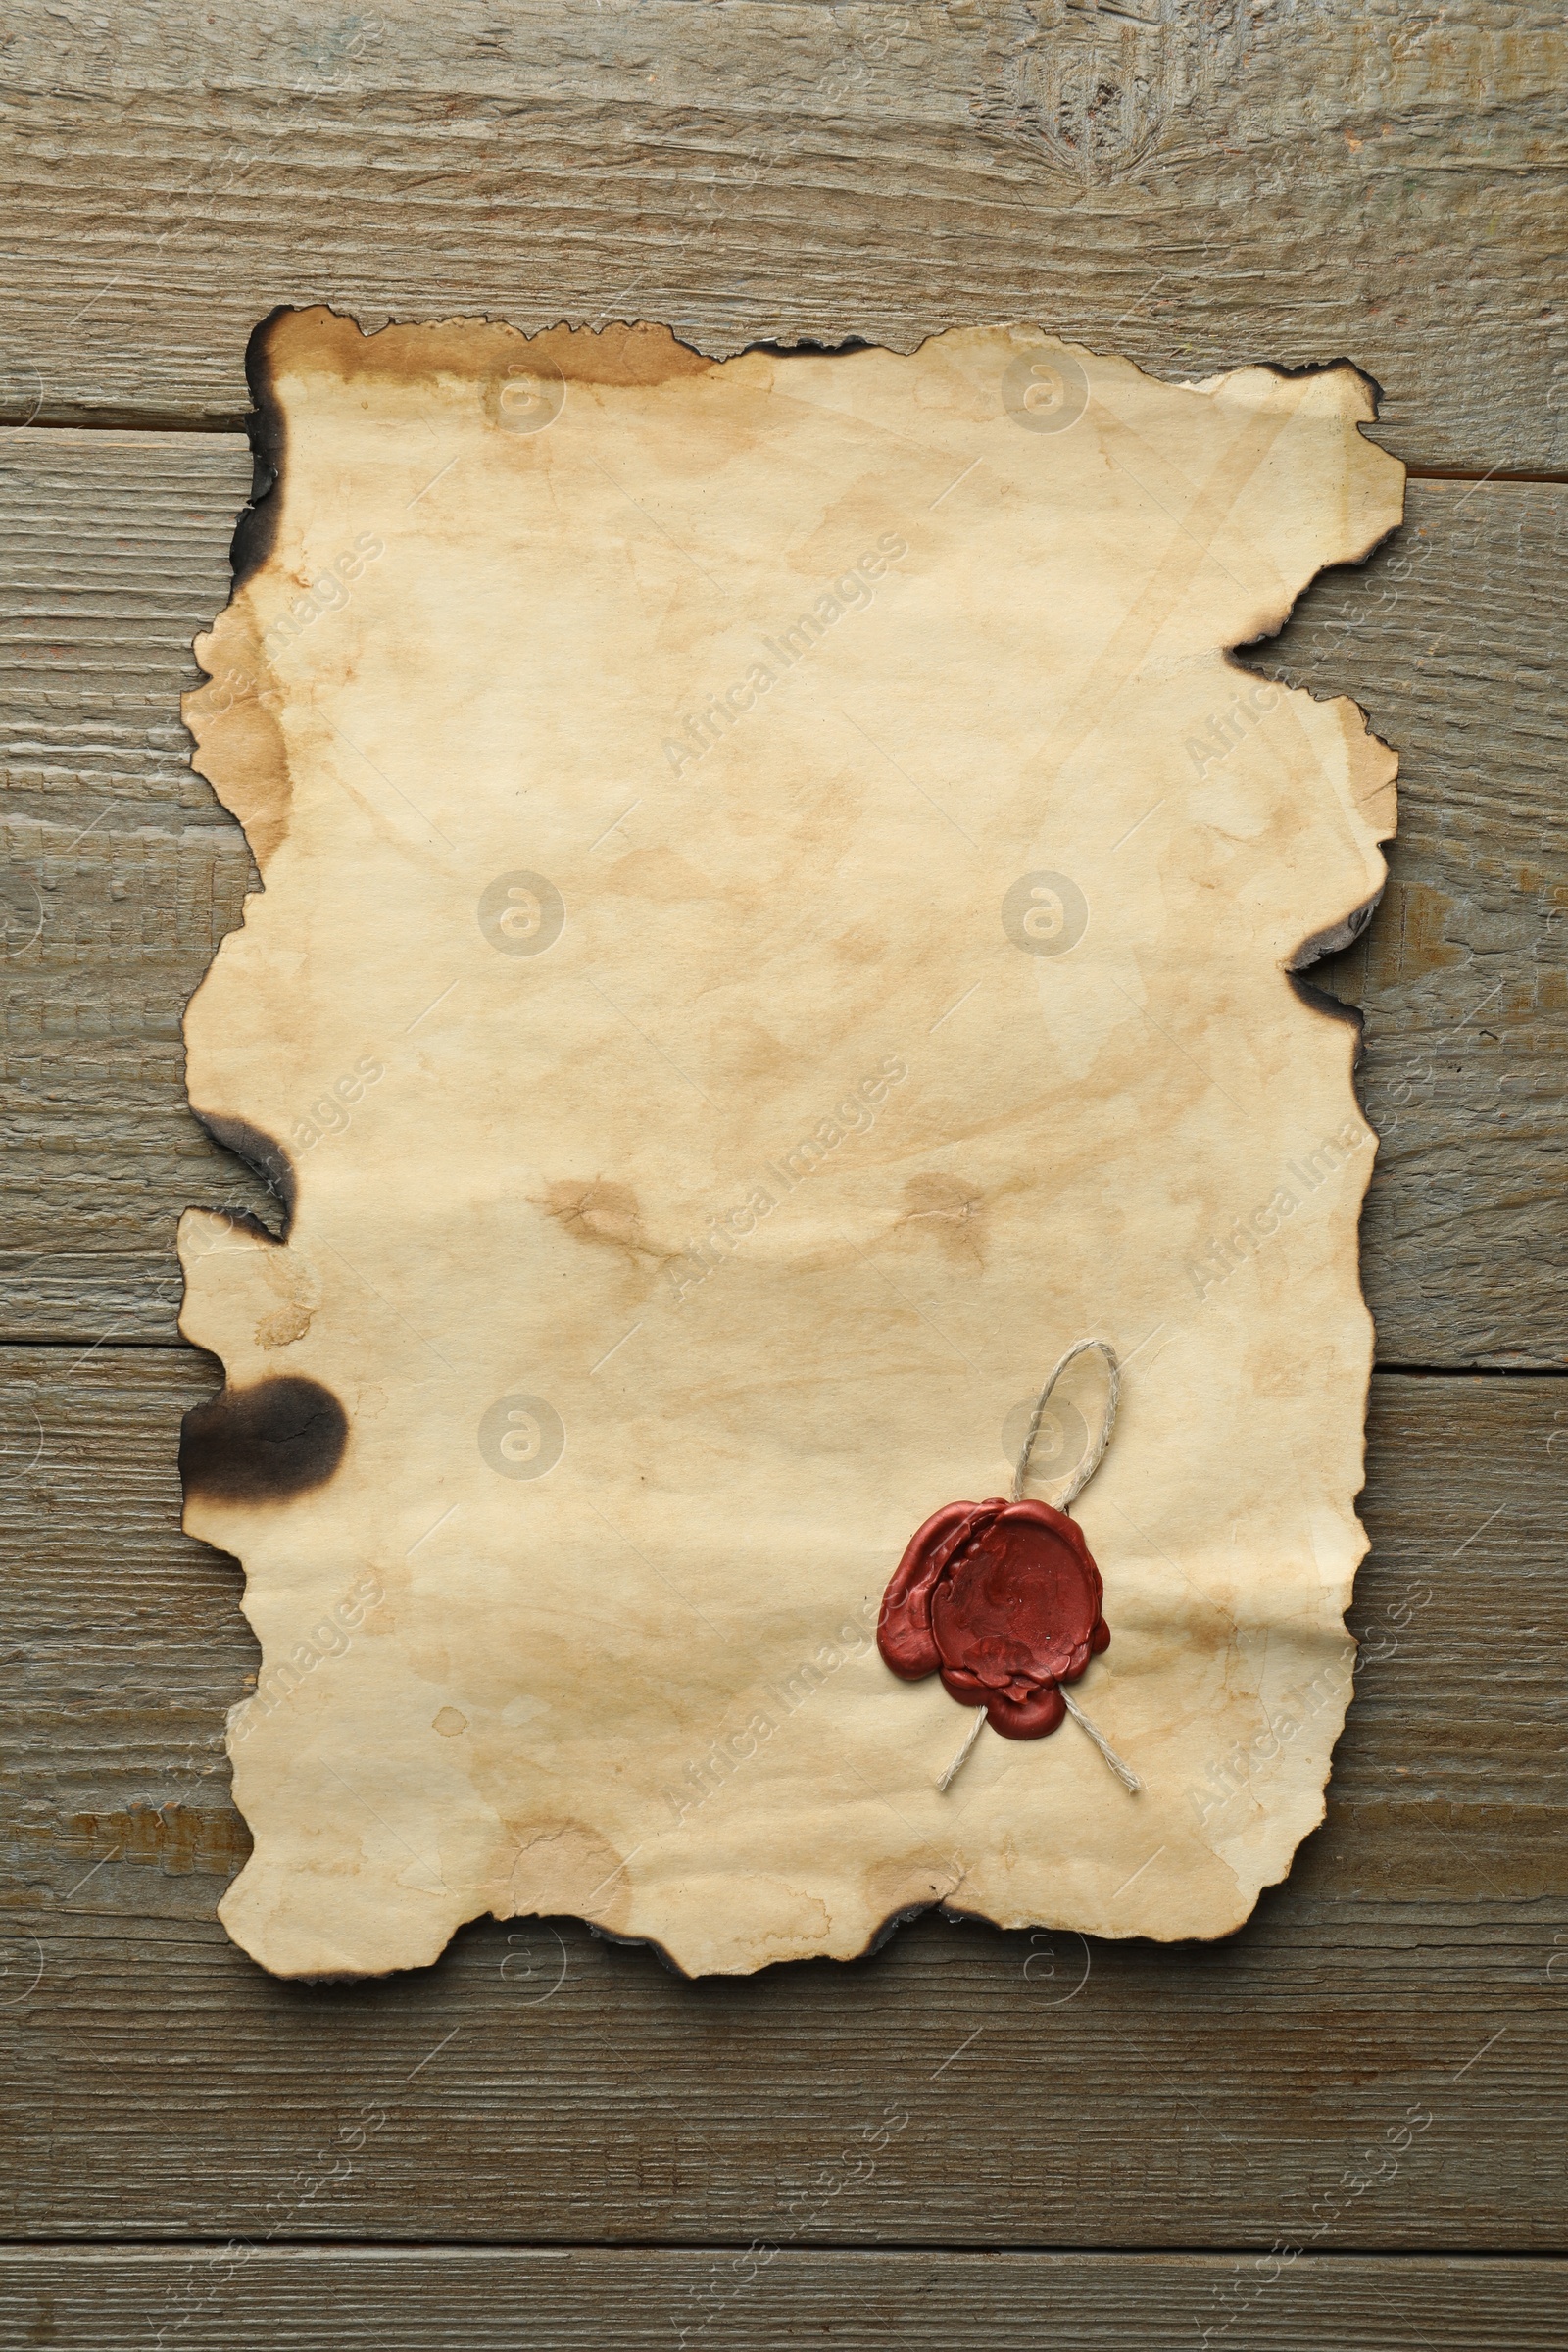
[1448,642]
[1232,183]
[375,2301]
[541,2085]
[1323,178]
[122,873]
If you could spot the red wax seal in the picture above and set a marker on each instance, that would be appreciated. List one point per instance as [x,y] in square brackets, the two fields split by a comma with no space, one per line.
[1002,1600]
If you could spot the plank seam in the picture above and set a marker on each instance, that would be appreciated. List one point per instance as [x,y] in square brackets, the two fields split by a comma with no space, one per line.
[1391,1368]
[239,422]
[412,2249]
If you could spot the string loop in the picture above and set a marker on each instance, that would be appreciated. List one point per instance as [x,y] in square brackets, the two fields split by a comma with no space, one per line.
[1085,1472]
[1096,1452]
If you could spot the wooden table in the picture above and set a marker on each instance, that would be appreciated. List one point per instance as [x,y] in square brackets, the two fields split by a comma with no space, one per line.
[1340,2127]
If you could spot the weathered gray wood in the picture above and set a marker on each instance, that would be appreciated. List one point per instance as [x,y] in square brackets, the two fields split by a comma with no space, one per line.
[1377,185]
[1449,641]
[744,2297]
[113,548]
[161,2086]
[129,1646]
[122,873]
[1293,185]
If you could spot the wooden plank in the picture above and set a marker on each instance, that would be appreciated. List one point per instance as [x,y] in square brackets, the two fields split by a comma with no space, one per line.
[121,1682]
[452,2300]
[115,549]
[1448,642]
[541,2085]
[122,873]
[1294,185]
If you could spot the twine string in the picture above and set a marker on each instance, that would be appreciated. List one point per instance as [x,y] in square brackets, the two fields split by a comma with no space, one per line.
[970,1738]
[1096,1452]
[1084,1473]
[1124,1772]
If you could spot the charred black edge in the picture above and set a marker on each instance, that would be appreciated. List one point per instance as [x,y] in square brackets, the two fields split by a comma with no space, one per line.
[896,1920]
[1338,937]
[1334,1009]
[255,536]
[269,1159]
[809,347]
[1280,367]
[873,1943]
[256,531]
[243,1220]
[638,1943]
[227,1453]
[649,1943]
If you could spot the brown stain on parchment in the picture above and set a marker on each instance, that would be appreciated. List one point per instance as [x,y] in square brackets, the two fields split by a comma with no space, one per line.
[319,341]
[849,528]
[598,1213]
[296,1296]
[904,1884]
[240,742]
[566,1865]
[282,1328]
[741,1053]
[863,944]
[660,875]
[949,1210]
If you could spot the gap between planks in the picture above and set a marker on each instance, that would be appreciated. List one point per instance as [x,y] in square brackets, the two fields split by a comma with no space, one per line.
[206,428]
[1381,1367]
[156,2249]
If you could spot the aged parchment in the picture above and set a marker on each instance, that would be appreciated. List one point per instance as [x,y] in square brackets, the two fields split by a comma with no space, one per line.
[777,919]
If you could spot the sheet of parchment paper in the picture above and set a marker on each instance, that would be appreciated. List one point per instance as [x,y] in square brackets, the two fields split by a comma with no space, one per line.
[778,915]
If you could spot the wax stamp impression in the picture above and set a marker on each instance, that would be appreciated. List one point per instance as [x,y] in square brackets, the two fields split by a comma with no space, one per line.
[1002,1600]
